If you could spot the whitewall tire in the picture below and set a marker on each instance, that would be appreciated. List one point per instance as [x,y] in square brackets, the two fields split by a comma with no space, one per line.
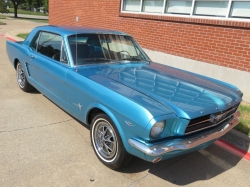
[107,142]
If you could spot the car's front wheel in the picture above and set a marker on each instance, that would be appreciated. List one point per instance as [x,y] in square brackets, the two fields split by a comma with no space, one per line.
[21,79]
[107,142]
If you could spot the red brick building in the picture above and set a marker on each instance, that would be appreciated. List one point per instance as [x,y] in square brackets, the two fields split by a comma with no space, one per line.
[202,31]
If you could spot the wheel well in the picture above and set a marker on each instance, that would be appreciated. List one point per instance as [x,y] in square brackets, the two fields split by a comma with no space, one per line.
[15,62]
[92,113]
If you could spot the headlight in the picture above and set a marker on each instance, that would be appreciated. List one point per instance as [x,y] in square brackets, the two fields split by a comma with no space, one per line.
[157,129]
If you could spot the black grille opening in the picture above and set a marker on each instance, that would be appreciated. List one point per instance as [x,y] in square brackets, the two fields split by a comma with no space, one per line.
[205,122]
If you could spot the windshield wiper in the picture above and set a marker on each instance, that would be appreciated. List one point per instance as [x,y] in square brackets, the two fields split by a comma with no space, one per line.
[132,59]
[96,59]
[135,59]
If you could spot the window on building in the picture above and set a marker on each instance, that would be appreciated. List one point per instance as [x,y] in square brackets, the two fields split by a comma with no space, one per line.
[178,7]
[240,9]
[132,5]
[155,6]
[227,9]
[211,8]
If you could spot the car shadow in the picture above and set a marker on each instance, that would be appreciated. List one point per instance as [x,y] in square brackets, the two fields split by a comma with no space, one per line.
[35,91]
[186,169]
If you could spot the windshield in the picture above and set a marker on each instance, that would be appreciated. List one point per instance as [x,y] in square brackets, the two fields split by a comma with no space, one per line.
[104,48]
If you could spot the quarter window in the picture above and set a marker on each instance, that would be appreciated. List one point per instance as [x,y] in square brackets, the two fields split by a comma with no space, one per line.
[33,44]
[64,57]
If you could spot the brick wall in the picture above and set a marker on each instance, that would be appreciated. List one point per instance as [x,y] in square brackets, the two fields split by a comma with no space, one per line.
[225,43]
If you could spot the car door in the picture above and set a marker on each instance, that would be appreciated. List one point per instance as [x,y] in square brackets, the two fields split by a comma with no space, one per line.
[48,65]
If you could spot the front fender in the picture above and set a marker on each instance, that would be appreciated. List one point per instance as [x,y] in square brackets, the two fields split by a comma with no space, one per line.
[110,114]
[126,131]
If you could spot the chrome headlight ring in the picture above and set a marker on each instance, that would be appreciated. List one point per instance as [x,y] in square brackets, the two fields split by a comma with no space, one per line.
[157,129]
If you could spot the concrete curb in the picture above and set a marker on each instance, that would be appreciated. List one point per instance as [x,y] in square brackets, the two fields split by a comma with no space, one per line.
[11,15]
[238,139]
[13,37]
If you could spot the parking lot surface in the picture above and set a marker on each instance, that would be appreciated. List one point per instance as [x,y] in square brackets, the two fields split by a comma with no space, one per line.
[41,145]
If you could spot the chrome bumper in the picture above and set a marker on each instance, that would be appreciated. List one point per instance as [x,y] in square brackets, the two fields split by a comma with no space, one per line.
[188,143]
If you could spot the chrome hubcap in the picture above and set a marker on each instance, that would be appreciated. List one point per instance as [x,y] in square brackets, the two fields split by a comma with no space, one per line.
[105,140]
[20,76]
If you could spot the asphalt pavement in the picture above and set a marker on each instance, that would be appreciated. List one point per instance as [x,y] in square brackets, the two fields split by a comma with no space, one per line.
[41,145]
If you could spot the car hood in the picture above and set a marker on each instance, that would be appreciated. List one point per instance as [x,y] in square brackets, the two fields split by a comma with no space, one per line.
[187,94]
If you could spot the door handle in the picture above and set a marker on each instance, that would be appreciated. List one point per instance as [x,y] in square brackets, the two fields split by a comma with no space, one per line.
[32,57]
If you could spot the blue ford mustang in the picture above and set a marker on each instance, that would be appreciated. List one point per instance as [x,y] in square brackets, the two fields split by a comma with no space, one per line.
[133,105]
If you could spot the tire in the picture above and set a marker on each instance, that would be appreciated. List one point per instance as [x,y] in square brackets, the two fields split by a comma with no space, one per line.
[21,79]
[107,143]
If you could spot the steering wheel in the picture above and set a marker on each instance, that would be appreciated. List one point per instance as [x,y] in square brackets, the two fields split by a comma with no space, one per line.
[123,51]
[56,56]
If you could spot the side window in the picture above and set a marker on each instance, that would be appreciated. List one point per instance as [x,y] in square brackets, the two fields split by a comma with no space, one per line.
[50,45]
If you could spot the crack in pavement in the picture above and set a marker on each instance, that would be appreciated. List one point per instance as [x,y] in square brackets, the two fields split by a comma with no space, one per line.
[133,181]
[79,133]
[35,127]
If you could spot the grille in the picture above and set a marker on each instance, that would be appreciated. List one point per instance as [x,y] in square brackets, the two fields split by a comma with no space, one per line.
[205,122]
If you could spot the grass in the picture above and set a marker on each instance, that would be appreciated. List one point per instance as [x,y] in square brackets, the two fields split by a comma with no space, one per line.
[244,125]
[20,11]
[2,17]
[23,35]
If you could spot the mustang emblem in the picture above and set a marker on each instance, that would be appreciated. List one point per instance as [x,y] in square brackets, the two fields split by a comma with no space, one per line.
[215,118]
[78,105]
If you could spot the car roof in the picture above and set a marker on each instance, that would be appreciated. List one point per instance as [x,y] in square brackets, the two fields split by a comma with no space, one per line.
[69,30]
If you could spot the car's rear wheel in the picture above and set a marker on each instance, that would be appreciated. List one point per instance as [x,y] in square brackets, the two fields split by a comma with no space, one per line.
[107,142]
[21,79]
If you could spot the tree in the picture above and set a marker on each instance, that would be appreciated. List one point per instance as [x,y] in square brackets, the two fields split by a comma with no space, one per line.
[29,3]
[46,5]
[16,3]
[3,7]
[37,3]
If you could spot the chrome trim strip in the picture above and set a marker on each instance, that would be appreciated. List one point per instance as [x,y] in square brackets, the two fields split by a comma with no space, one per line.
[198,122]
[184,144]
[231,109]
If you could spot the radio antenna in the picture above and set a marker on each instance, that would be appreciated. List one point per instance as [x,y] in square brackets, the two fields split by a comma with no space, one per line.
[76,43]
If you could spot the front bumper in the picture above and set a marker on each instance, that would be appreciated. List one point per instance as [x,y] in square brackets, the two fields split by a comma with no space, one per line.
[187,143]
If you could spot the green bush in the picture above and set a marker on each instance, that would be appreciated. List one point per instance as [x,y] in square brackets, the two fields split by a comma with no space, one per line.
[3,7]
